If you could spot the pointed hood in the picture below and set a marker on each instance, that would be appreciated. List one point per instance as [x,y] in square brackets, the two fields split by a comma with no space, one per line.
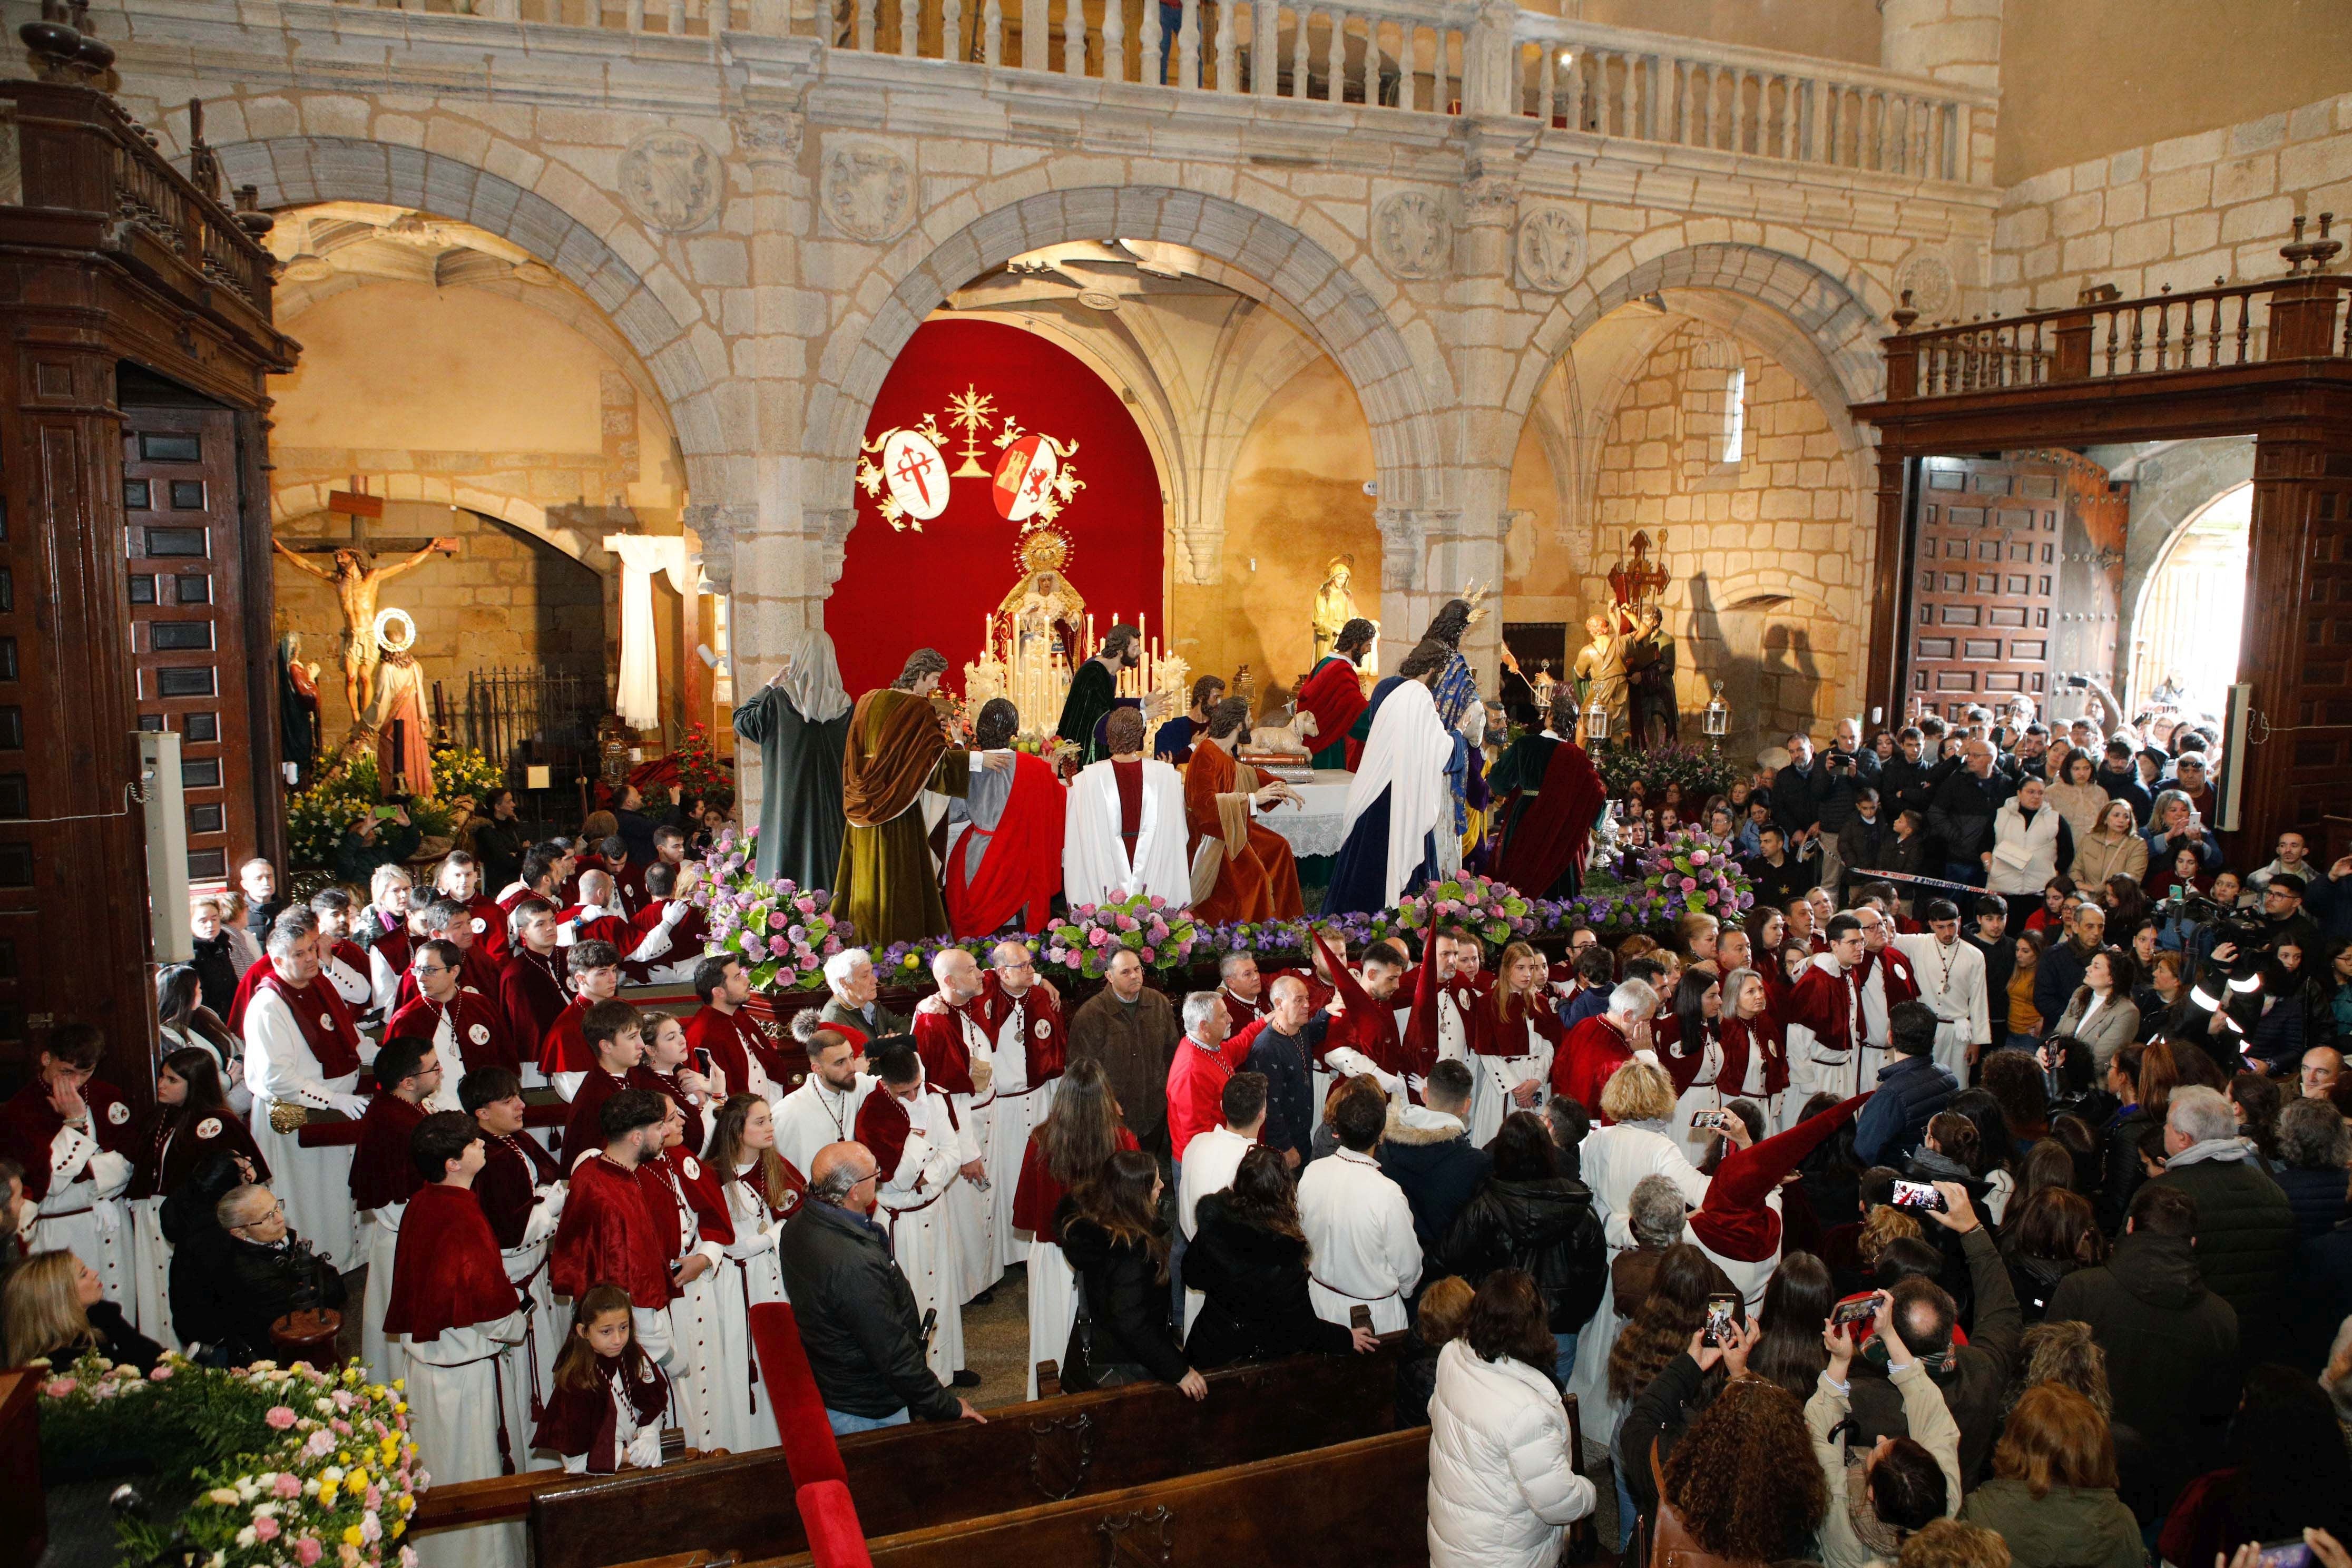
[1733,1222]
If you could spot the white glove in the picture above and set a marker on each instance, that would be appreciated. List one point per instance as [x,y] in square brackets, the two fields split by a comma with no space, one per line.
[1415,1082]
[109,1172]
[644,1448]
[673,911]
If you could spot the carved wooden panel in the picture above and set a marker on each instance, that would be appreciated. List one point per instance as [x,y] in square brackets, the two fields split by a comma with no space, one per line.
[179,516]
[1985,547]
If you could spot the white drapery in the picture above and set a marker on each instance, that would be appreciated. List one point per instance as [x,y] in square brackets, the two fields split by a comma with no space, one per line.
[638,700]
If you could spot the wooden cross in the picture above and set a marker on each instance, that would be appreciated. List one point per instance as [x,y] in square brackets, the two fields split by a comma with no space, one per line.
[359,507]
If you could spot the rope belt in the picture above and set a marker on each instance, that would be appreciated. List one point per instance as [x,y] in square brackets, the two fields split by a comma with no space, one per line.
[498,1383]
[1350,1294]
[531,1333]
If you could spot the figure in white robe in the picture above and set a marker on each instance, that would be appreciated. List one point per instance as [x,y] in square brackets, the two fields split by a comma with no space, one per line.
[1096,864]
[744,1414]
[89,1219]
[1952,982]
[698,1376]
[316,1183]
[1021,1105]
[923,1238]
[1361,1237]
[816,1114]
[452,1379]
[1399,806]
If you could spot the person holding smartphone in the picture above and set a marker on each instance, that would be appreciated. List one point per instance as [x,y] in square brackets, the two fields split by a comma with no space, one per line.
[1908,1482]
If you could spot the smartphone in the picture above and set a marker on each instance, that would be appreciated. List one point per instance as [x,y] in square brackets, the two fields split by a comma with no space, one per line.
[1710,1121]
[1719,1309]
[1854,1310]
[2284,1554]
[1917,1195]
[702,1060]
[386,813]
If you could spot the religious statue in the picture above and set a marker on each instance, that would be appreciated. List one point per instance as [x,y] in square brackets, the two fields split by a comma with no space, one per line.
[356,580]
[298,703]
[1334,607]
[1043,604]
[396,716]
[1649,655]
[1600,669]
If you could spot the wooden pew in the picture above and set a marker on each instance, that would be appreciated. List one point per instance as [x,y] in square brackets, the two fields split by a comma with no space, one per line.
[1352,1505]
[928,1474]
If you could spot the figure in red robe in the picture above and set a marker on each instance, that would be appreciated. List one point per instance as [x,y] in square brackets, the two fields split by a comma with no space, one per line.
[1009,861]
[1333,692]
[1241,872]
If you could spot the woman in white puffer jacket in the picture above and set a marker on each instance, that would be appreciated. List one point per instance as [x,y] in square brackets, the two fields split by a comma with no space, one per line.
[1502,1484]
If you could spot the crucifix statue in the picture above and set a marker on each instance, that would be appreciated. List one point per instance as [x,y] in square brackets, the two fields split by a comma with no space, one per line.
[357,579]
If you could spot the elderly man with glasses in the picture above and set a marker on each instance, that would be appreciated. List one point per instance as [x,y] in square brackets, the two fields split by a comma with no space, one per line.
[854,1309]
[264,1273]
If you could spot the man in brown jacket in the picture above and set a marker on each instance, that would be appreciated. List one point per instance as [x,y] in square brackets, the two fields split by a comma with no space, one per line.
[1133,1033]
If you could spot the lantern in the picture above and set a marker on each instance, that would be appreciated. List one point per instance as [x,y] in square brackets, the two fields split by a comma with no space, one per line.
[1717,716]
[1596,720]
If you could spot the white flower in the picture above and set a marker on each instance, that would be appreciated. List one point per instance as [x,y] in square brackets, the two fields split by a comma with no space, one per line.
[246,1537]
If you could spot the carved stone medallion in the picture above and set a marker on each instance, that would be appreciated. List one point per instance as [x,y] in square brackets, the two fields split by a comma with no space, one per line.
[671,181]
[867,191]
[768,132]
[1929,279]
[1550,249]
[1411,234]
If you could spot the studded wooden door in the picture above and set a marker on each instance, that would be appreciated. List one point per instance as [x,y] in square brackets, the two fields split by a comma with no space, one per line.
[180,506]
[1984,583]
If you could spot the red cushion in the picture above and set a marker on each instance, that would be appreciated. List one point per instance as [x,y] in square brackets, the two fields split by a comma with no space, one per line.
[834,1538]
[801,1424]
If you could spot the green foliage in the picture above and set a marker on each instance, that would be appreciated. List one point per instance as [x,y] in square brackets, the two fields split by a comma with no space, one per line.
[316,818]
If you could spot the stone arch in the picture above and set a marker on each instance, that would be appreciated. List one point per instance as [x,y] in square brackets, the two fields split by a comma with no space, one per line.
[294,171]
[1301,274]
[1833,348]
[308,498]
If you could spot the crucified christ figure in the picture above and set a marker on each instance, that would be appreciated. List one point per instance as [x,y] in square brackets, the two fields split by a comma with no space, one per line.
[355,583]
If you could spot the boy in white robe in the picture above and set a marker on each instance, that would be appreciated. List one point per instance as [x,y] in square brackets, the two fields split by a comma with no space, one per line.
[922,1155]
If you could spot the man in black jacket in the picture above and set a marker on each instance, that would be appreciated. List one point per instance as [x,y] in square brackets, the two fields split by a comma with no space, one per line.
[1428,1153]
[1908,781]
[2171,1345]
[856,1310]
[1283,1051]
[256,1277]
[1960,815]
[1974,1377]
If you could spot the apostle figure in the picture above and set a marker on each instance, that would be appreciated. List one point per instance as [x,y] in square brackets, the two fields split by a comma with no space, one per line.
[959,1061]
[1649,676]
[1335,607]
[396,715]
[921,1153]
[1398,804]
[1240,871]
[302,1054]
[408,1076]
[453,1309]
[1094,692]
[1334,691]
[1124,830]
[895,752]
[800,721]
[1551,795]
[1008,862]
[1600,669]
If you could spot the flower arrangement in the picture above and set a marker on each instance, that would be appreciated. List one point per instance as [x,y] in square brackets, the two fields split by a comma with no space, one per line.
[1690,872]
[1082,942]
[1494,911]
[461,770]
[316,818]
[1700,774]
[783,933]
[910,962]
[699,771]
[267,1466]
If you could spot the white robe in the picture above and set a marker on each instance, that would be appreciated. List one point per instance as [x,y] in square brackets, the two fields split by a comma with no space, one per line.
[151,1283]
[697,1337]
[1952,981]
[1492,1079]
[316,1183]
[1208,1167]
[1053,1306]
[923,1238]
[1612,1161]
[1359,1235]
[813,1116]
[741,1412]
[1095,865]
[1405,757]
[89,1219]
[384,1357]
[456,1382]
[544,1327]
[1022,1106]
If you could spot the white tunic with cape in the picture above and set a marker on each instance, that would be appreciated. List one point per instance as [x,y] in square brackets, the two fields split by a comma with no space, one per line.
[1404,757]
[1095,865]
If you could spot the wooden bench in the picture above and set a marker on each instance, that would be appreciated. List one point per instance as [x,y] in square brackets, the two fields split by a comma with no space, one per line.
[1362,1504]
[933,1474]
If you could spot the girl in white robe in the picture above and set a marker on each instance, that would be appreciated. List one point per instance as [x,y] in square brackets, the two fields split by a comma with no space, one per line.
[762,1192]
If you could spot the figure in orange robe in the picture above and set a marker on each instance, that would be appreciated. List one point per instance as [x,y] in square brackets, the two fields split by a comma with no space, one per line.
[1259,879]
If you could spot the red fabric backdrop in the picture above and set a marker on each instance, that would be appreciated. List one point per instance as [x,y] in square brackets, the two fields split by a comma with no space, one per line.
[902,591]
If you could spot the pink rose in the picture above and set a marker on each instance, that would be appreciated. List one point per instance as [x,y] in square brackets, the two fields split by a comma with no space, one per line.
[321,1443]
[778,947]
[1690,885]
[264,1528]
[1698,857]
[279,1417]
[805,905]
[161,1374]
[307,1551]
[1097,937]
[1128,922]
[342,1428]
[1148,955]
[374,1499]
[289,1485]
[776,921]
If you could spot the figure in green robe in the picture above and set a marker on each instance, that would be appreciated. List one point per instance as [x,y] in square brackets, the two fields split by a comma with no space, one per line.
[799,721]
[889,884]
[1094,692]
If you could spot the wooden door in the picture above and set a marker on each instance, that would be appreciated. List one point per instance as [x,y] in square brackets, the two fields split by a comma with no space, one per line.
[1984,581]
[181,520]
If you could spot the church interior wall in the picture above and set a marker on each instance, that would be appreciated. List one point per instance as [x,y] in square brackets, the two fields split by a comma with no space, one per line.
[1767,591]
[2173,214]
[507,597]
[1296,501]
[2161,70]
[1827,30]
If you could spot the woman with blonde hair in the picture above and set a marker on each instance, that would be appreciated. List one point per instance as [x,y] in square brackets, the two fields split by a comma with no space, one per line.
[2053,1493]
[2113,848]
[55,1310]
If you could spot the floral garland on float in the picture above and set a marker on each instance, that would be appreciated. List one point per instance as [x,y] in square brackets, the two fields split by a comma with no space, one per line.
[1083,943]
[1699,774]
[782,931]
[1690,873]
[266,1467]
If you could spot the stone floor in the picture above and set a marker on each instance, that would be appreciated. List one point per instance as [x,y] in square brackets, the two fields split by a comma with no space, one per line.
[996,1342]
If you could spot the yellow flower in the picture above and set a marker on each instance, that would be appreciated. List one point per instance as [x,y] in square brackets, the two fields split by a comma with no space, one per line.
[358,1481]
[401,1408]
[407,1504]
[327,1494]
[400,1383]
[352,1537]
[225,1495]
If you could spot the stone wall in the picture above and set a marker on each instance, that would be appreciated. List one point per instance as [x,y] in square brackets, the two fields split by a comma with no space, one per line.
[2177,214]
[506,598]
[1768,567]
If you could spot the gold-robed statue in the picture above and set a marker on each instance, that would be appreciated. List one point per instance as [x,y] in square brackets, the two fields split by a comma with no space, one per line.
[1042,616]
[1334,607]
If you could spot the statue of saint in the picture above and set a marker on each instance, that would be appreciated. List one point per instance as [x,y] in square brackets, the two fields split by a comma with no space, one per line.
[1334,605]
[1043,604]
[403,729]
[1650,670]
[1601,670]
[356,580]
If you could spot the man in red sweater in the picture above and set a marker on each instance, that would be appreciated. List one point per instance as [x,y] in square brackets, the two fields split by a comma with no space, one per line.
[1209,1055]
[1601,1044]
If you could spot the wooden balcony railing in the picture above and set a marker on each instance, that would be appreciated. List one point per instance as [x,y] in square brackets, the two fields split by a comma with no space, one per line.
[2303,316]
